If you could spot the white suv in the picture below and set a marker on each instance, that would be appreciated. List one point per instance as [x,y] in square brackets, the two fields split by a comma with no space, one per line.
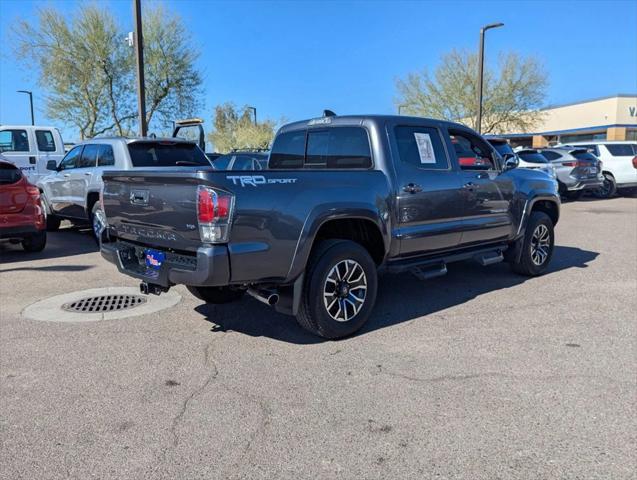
[619,164]
[71,191]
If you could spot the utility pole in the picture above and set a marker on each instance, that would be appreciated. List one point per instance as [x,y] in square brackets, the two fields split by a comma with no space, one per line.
[255,114]
[139,54]
[30,93]
[481,71]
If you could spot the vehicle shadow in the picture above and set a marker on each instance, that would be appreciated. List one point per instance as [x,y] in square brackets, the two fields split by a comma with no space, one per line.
[400,298]
[66,242]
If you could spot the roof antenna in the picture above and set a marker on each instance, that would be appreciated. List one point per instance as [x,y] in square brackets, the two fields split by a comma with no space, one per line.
[328,113]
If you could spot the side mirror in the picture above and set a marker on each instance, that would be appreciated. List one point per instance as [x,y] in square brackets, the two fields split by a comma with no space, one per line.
[52,165]
[510,161]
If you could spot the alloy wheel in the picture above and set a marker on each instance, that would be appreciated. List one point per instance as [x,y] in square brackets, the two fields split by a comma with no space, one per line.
[540,245]
[345,290]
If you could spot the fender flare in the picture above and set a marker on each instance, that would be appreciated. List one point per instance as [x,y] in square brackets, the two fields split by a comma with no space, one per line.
[327,212]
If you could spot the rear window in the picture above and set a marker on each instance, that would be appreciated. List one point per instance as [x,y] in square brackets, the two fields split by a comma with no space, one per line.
[585,156]
[9,174]
[337,147]
[45,141]
[288,150]
[155,154]
[551,155]
[533,157]
[621,149]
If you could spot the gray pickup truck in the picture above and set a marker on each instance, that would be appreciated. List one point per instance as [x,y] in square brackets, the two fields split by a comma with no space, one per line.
[343,198]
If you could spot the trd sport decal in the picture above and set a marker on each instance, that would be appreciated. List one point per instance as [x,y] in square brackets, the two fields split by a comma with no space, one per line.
[256,180]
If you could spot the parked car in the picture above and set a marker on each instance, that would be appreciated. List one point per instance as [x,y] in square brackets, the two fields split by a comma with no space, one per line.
[527,158]
[21,214]
[30,148]
[577,170]
[619,161]
[242,160]
[342,198]
[72,188]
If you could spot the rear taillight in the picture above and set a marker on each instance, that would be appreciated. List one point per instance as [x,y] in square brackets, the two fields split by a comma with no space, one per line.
[214,213]
[569,164]
[635,161]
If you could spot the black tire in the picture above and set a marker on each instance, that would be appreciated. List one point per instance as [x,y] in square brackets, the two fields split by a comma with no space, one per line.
[313,314]
[527,263]
[216,295]
[608,189]
[574,195]
[52,222]
[98,222]
[35,242]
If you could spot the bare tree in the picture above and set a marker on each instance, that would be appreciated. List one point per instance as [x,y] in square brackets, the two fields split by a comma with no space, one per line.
[88,70]
[512,95]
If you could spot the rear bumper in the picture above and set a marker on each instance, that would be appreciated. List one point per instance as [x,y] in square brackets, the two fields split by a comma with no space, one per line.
[20,231]
[587,184]
[209,267]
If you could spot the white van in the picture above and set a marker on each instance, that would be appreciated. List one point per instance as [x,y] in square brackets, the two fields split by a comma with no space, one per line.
[30,148]
[619,163]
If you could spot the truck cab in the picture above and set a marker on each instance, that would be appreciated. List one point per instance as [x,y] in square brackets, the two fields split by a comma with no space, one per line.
[31,148]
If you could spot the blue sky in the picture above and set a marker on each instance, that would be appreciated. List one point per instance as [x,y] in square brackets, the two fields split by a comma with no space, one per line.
[292,59]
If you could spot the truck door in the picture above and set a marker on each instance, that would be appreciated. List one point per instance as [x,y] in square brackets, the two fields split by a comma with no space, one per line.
[428,189]
[81,178]
[487,194]
[18,147]
[58,187]
[46,150]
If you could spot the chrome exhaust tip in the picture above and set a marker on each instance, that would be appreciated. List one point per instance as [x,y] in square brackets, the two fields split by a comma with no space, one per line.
[269,297]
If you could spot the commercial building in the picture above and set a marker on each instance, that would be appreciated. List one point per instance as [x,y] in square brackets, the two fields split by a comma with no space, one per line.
[606,118]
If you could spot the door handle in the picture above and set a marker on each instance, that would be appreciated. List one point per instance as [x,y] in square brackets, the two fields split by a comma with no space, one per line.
[88,174]
[412,188]
[470,186]
[67,174]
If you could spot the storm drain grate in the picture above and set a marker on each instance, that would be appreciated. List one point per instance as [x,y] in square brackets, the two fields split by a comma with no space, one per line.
[104,303]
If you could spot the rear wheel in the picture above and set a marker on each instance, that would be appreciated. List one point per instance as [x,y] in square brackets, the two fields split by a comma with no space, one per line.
[339,291]
[216,295]
[609,187]
[52,222]
[98,222]
[35,242]
[537,246]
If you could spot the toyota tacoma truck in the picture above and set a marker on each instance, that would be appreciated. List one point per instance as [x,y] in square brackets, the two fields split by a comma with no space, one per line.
[343,199]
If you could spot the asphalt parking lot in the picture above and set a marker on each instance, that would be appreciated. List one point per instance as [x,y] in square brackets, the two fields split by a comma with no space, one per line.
[478,374]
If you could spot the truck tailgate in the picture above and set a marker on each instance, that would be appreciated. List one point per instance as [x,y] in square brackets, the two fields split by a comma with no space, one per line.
[154,208]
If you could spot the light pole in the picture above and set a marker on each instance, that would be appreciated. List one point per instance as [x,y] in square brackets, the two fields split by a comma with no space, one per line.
[30,93]
[481,71]
[139,54]
[255,114]
[400,107]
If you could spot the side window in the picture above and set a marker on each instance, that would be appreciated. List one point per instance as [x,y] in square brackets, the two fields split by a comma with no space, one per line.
[45,141]
[14,141]
[288,150]
[89,156]
[105,156]
[471,151]
[71,160]
[243,162]
[422,147]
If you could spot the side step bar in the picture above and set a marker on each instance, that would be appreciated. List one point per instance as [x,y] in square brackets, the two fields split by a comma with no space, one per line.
[426,268]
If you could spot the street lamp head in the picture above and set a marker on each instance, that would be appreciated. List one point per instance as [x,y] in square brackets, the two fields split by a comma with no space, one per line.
[492,25]
[25,91]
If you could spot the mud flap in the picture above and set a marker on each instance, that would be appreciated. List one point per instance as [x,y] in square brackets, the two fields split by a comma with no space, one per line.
[290,297]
